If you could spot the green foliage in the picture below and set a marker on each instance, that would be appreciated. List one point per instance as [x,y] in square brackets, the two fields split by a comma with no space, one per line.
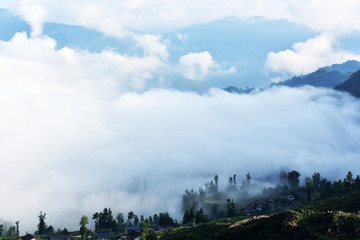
[83,228]
[11,232]
[144,229]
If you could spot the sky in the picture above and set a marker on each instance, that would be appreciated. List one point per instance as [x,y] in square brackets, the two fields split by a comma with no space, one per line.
[119,103]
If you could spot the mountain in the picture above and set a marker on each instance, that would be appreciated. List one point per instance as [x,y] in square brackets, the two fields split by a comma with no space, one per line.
[352,85]
[334,218]
[328,77]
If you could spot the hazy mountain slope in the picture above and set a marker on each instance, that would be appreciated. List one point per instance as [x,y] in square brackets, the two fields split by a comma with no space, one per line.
[328,77]
[352,85]
[320,220]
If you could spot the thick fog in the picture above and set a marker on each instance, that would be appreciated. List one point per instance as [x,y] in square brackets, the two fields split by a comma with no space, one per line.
[70,154]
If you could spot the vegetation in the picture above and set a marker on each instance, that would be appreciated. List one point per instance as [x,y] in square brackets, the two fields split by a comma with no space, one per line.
[290,209]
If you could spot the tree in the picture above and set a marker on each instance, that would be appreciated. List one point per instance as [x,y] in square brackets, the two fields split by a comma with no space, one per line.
[11,232]
[309,188]
[248,177]
[200,216]
[156,219]
[83,228]
[136,221]
[348,181]
[231,208]
[144,229]
[216,179]
[42,225]
[141,223]
[293,179]
[104,219]
[129,222]
[165,219]
[1,229]
[234,178]
[49,230]
[120,222]
[17,232]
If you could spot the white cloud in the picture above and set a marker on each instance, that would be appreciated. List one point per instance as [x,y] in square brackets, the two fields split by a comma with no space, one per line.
[34,14]
[112,16]
[104,74]
[153,46]
[306,57]
[86,151]
[196,66]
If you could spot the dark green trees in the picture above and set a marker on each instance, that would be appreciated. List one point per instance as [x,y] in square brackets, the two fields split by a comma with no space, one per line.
[293,179]
[42,225]
[105,219]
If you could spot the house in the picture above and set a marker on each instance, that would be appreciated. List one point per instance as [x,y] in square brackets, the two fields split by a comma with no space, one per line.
[131,234]
[27,237]
[190,224]
[60,237]
[250,211]
[290,197]
[105,236]
[104,230]
[128,229]
[296,204]
[74,234]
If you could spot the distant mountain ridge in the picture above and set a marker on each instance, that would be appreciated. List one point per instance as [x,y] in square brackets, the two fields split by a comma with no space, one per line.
[327,77]
[352,85]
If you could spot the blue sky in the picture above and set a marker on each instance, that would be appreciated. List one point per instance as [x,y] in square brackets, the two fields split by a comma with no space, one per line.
[114,103]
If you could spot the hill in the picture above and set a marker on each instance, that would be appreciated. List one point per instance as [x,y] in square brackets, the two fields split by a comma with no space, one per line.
[352,85]
[328,77]
[320,220]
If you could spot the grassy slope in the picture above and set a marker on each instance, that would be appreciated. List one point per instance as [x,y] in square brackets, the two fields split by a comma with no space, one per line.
[319,220]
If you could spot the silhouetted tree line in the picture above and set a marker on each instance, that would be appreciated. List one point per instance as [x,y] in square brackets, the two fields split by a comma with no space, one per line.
[210,202]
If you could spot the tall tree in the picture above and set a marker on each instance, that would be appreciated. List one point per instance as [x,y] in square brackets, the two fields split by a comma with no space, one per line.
[293,179]
[120,222]
[144,229]
[83,228]
[234,178]
[136,221]
[42,225]
[1,229]
[105,219]
[248,177]
[17,232]
[309,188]
[216,179]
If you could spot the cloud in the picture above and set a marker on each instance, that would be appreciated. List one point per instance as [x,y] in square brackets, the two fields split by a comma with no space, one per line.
[103,74]
[114,17]
[152,45]
[308,56]
[196,66]
[139,152]
[35,15]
